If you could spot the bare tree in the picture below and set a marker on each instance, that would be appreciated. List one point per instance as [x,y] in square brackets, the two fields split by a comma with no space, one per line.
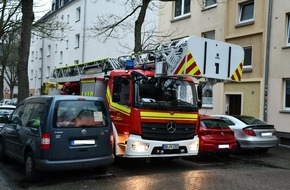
[107,25]
[9,47]
[24,47]
[9,15]
[9,23]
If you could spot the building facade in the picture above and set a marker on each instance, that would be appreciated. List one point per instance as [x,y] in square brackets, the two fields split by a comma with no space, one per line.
[73,40]
[262,29]
[278,68]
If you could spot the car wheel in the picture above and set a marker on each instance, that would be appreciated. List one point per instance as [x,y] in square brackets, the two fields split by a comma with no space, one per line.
[238,149]
[30,171]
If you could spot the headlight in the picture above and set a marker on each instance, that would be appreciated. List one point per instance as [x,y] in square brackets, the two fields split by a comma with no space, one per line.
[140,147]
[194,145]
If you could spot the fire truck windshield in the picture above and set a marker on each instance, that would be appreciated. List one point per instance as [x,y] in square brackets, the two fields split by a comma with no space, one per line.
[164,93]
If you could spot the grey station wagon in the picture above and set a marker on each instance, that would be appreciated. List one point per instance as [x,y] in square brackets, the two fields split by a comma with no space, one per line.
[63,132]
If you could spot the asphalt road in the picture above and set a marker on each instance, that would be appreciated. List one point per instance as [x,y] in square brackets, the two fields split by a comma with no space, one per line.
[244,171]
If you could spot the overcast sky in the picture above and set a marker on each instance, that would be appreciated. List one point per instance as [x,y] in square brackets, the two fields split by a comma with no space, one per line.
[41,7]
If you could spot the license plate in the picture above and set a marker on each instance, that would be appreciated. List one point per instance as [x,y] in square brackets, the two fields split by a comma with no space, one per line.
[224,146]
[268,134]
[170,146]
[83,142]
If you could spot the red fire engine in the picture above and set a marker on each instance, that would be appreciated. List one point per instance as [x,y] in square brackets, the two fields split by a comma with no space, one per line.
[154,100]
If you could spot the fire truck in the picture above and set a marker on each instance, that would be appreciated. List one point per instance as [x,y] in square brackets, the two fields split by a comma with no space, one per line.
[154,100]
[66,79]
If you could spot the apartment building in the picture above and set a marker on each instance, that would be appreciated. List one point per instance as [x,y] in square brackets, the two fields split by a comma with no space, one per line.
[261,27]
[278,68]
[73,41]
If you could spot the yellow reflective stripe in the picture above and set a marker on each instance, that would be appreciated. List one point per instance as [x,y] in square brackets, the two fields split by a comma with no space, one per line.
[123,109]
[162,115]
[88,81]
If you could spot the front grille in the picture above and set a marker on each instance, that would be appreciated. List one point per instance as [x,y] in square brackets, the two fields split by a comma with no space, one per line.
[158,131]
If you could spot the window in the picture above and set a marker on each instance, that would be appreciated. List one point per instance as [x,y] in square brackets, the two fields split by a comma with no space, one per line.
[60,3]
[40,52]
[67,44]
[48,50]
[80,114]
[207,95]
[181,8]
[209,35]
[248,57]
[77,40]
[288,31]
[62,33]
[32,38]
[47,72]
[246,12]
[32,56]
[286,104]
[31,74]
[61,57]
[40,73]
[78,14]
[209,3]
[36,115]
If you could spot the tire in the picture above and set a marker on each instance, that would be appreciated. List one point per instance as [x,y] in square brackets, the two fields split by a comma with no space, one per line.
[238,149]
[30,171]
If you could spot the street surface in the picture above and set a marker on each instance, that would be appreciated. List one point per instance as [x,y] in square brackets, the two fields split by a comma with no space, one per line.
[246,171]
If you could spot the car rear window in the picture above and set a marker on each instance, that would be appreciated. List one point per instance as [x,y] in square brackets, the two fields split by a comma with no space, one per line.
[6,111]
[250,120]
[74,113]
[214,124]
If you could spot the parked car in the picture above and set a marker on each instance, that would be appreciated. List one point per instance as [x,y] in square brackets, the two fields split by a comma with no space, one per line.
[5,111]
[36,136]
[251,133]
[215,136]
[5,102]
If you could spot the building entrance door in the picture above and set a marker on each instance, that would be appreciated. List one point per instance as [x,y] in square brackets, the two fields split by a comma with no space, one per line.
[234,104]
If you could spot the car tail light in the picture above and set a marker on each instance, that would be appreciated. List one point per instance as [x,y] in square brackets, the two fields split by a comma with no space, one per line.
[45,141]
[249,131]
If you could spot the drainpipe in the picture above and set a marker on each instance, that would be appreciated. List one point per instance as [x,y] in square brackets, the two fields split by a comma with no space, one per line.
[42,62]
[265,114]
[84,31]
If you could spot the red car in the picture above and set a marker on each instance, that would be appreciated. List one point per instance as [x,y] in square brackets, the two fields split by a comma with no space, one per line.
[215,136]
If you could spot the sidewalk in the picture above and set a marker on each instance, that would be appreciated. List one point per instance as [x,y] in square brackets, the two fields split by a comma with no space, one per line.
[278,156]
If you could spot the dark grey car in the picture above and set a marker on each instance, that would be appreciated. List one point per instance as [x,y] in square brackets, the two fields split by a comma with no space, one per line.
[62,132]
